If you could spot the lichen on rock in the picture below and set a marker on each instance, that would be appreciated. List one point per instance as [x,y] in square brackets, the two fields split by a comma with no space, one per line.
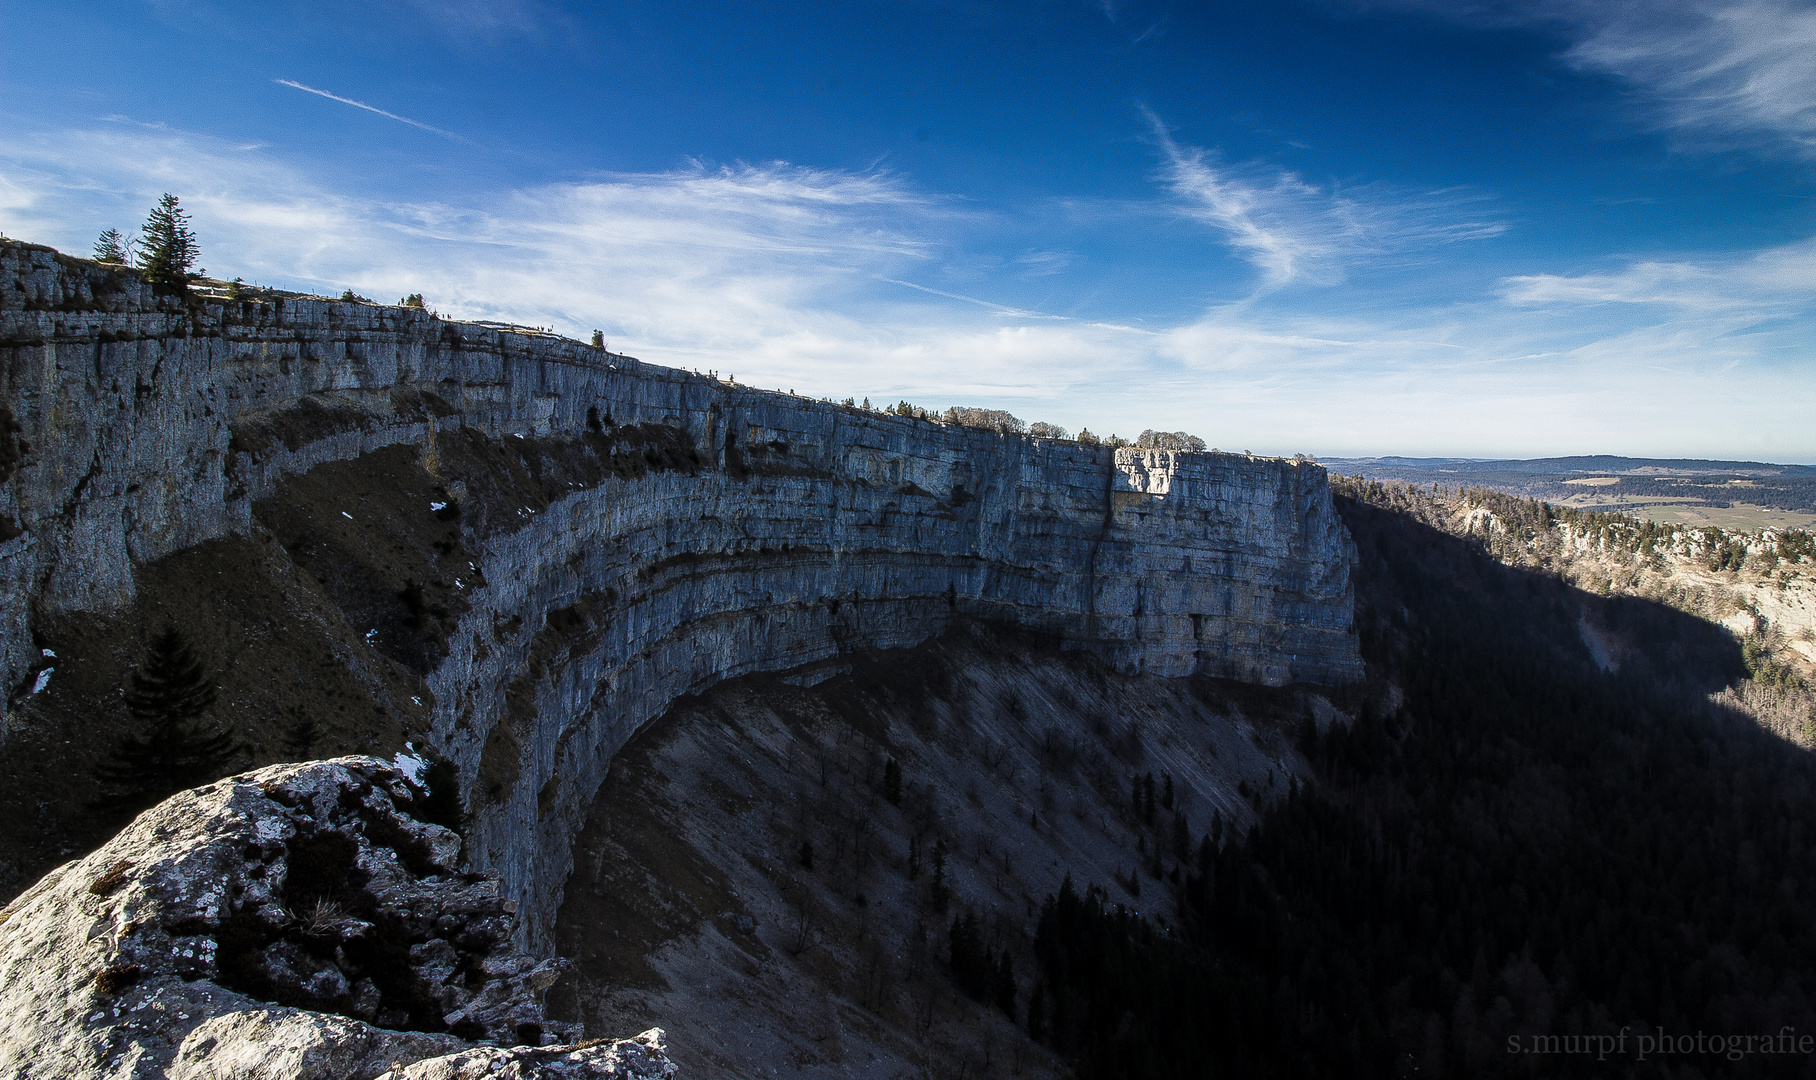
[294,922]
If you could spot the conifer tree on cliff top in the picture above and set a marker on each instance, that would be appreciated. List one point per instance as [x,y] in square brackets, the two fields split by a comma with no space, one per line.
[110,247]
[167,246]
[166,696]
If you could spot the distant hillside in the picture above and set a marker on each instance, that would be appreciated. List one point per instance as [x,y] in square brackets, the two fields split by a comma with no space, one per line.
[1732,494]
[1580,465]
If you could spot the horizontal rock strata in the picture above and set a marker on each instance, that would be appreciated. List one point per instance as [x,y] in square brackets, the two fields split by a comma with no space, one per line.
[665,530]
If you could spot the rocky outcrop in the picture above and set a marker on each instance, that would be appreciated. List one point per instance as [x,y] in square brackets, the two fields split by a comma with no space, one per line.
[680,529]
[295,922]
[641,1058]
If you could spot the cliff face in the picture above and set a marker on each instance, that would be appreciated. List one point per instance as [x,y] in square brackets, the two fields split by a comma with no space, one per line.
[693,902]
[617,535]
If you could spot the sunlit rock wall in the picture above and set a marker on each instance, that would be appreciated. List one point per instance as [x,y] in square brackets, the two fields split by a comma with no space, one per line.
[144,425]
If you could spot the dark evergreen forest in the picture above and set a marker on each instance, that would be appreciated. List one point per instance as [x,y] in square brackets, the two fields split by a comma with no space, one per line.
[1792,493]
[1525,852]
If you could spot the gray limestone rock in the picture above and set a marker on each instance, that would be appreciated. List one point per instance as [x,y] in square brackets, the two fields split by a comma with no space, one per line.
[293,922]
[641,1058]
[731,530]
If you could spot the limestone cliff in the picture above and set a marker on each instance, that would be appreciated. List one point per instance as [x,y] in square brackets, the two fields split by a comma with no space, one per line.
[617,535]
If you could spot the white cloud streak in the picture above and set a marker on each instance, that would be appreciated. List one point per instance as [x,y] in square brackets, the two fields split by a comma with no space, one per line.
[375,109]
[1504,381]
[1782,278]
[998,308]
[1296,232]
[755,269]
[1725,72]
[1714,68]
[487,19]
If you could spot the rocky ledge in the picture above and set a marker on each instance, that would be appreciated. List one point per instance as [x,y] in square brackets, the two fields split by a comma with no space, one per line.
[293,923]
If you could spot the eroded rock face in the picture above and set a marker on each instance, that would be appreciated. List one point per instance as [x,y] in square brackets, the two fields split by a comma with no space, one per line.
[293,922]
[661,530]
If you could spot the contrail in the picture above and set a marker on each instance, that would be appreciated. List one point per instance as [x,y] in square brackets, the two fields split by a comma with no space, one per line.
[1018,312]
[375,109]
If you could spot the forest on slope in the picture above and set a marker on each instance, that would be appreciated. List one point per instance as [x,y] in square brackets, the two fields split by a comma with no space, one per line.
[1528,857]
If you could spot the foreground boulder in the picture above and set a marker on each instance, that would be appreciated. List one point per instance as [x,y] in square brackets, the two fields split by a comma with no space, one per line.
[641,1058]
[294,922]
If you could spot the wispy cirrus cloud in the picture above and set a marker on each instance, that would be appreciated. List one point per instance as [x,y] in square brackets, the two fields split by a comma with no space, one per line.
[1043,263]
[1137,21]
[794,272]
[1718,69]
[1502,379]
[787,277]
[1295,231]
[1724,72]
[1777,278]
[488,19]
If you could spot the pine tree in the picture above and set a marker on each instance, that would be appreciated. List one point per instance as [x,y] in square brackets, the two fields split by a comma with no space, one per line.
[940,894]
[166,695]
[1003,989]
[892,782]
[167,247]
[111,247]
[440,804]
[973,968]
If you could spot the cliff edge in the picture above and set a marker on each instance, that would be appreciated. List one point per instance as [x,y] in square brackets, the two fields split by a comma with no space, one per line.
[531,547]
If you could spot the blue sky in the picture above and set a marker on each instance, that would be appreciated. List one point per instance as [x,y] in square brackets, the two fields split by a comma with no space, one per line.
[1340,227]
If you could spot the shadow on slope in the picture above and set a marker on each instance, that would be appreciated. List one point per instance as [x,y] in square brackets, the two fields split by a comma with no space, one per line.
[751,878]
[317,628]
[1526,852]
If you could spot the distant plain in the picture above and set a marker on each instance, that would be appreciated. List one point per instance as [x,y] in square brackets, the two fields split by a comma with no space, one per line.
[1737,495]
